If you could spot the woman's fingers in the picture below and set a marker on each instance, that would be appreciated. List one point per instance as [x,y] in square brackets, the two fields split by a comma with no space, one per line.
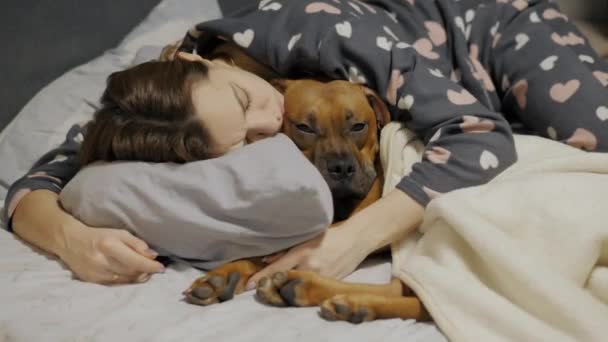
[134,262]
[285,263]
[139,245]
[294,257]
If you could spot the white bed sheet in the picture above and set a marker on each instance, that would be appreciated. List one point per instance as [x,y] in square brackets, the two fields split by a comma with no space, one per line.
[39,301]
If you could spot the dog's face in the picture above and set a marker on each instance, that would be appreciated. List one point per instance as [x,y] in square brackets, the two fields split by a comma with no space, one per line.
[336,124]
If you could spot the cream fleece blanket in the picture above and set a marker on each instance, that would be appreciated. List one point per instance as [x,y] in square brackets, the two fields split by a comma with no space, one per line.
[523,258]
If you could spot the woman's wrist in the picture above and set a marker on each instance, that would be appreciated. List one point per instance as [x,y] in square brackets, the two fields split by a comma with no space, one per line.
[66,230]
[387,220]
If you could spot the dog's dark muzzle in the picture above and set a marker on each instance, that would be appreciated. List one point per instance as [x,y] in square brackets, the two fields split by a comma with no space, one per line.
[341,168]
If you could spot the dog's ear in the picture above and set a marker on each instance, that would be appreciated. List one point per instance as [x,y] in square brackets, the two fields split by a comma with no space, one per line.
[280,84]
[383,116]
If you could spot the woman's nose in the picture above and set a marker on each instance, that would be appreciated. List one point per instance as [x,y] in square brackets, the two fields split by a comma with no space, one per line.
[262,124]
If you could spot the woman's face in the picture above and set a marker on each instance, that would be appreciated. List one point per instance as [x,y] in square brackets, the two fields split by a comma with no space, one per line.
[235,106]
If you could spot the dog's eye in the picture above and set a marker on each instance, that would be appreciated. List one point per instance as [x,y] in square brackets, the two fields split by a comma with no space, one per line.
[358,127]
[305,128]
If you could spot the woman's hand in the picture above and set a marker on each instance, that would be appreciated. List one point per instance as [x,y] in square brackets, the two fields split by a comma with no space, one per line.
[98,255]
[339,251]
[108,256]
[330,254]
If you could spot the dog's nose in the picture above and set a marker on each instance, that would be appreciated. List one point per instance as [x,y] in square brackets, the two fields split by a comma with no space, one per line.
[341,168]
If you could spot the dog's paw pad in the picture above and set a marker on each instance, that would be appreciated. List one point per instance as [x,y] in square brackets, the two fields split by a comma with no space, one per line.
[212,289]
[289,292]
[267,292]
[340,308]
[280,290]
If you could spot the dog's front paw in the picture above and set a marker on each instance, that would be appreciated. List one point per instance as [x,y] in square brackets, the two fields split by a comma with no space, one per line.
[293,288]
[212,288]
[345,308]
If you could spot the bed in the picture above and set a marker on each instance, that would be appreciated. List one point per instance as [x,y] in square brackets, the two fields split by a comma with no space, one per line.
[499,262]
[41,301]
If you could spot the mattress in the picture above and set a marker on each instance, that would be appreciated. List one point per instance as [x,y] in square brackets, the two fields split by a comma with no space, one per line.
[41,302]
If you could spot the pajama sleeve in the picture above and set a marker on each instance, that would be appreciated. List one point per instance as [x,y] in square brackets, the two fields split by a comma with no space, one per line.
[466,143]
[51,172]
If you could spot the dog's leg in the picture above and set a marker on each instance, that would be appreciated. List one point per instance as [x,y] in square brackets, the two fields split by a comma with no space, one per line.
[357,308]
[304,288]
[222,283]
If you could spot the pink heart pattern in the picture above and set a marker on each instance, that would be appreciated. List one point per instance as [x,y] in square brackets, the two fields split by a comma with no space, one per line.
[424,47]
[520,91]
[552,13]
[520,5]
[473,124]
[461,98]
[15,200]
[437,155]
[316,7]
[561,92]
[479,72]
[569,39]
[583,139]
[602,77]
[42,174]
[436,32]
[394,84]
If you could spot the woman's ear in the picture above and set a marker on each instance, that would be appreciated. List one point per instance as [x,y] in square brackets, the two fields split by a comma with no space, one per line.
[383,116]
[281,84]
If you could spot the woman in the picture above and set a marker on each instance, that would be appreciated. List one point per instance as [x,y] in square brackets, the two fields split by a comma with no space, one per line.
[437,64]
[181,111]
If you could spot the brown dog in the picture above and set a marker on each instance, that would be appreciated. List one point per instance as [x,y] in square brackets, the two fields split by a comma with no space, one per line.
[336,125]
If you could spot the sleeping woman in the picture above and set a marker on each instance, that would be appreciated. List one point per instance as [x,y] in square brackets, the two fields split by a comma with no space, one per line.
[461,74]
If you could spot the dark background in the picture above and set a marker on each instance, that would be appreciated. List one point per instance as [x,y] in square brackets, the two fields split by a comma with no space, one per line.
[41,40]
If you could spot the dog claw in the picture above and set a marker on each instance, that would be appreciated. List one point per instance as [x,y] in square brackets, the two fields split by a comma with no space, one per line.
[267,292]
[212,289]
[228,293]
[340,308]
[343,310]
[287,289]
[358,316]
[279,279]
[202,292]
[288,292]
[216,281]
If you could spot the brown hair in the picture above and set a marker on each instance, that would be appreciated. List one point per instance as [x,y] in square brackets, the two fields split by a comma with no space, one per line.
[147,114]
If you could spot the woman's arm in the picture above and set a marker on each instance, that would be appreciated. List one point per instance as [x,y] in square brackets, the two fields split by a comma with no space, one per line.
[100,255]
[51,172]
[341,249]
[39,220]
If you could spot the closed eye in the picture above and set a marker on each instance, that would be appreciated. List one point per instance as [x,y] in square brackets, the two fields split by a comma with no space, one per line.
[241,96]
[358,127]
[305,128]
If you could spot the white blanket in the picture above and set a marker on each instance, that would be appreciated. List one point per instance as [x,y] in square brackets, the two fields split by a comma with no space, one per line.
[523,258]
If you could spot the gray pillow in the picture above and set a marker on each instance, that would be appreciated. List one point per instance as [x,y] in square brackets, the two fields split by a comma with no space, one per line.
[254,201]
